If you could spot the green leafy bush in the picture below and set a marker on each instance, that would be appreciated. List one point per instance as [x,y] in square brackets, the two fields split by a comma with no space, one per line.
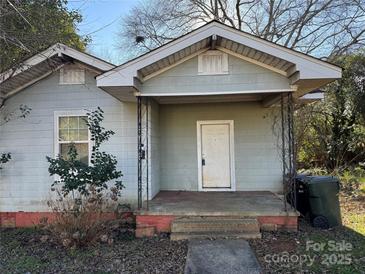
[77,177]
[4,158]
[84,201]
[352,180]
[331,133]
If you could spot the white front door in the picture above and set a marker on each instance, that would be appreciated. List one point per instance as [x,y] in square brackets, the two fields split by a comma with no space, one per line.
[215,155]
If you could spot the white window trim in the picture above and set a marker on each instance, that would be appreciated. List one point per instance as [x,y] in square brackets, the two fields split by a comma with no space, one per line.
[68,113]
[62,71]
[225,67]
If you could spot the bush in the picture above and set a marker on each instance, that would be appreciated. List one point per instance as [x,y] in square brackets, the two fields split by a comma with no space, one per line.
[352,180]
[88,220]
[331,133]
[4,158]
[84,202]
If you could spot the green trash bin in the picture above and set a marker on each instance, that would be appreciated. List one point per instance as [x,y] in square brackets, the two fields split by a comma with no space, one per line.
[324,205]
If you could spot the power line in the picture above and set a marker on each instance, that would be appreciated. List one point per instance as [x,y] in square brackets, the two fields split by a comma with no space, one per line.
[21,15]
[103,27]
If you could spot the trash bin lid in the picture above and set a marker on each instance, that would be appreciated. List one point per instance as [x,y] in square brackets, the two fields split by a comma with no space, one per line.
[301,177]
[320,179]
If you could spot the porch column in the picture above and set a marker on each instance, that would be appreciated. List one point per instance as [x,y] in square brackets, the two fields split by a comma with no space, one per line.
[140,151]
[288,148]
[143,150]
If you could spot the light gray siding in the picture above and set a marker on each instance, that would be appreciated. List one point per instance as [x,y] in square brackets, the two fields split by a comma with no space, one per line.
[243,76]
[257,161]
[25,182]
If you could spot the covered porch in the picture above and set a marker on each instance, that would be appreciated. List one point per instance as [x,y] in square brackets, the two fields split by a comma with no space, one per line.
[215,130]
[267,209]
[225,146]
[235,203]
[213,161]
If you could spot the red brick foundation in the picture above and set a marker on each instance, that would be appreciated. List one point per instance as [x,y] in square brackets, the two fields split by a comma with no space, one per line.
[145,231]
[288,223]
[146,225]
[24,219]
[160,223]
[29,219]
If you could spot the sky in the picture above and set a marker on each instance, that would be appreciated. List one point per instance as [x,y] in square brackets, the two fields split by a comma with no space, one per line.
[102,20]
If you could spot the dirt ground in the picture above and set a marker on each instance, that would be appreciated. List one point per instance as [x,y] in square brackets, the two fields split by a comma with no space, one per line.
[24,251]
[311,250]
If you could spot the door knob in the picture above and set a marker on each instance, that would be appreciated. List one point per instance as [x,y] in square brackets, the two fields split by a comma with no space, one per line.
[203,162]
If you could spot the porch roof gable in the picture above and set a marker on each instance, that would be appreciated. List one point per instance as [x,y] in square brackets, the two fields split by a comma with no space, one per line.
[304,71]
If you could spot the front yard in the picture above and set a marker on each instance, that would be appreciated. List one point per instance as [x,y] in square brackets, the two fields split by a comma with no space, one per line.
[309,250]
[22,251]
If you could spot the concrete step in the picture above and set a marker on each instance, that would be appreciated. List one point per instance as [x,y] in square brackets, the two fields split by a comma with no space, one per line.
[178,236]
[215,224]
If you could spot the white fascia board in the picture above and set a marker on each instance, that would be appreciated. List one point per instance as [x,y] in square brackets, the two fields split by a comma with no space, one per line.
[309,67]
[255,91]
[313,96]
[85,58]
[124,74]
[32,61]
[52,51]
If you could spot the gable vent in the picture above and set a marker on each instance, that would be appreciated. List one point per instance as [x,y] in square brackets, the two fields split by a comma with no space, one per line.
[72,76]
[212,62]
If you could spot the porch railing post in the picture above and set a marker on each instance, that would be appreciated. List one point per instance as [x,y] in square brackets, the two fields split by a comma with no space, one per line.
[291,152]
[283,150]
[147,151]
[139,148]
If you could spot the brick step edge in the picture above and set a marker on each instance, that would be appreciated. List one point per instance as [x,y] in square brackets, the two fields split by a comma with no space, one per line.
[204,227]
[178,236]
[215,219]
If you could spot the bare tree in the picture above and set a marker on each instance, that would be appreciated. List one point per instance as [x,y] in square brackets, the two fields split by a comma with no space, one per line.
[323,28]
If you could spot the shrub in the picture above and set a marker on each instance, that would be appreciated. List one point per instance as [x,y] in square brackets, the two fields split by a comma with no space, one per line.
[84,201]
[4,158]
[352,180]
[88,220]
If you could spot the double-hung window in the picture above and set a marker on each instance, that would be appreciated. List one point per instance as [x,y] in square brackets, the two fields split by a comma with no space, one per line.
[71,127]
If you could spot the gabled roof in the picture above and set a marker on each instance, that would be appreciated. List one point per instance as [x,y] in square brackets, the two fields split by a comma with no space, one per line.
[302,70]
[44,63]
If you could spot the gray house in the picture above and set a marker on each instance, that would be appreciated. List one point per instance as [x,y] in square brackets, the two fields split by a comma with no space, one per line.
[203,125]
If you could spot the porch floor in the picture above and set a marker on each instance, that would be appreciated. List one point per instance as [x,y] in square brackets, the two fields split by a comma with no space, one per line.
[238,203]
